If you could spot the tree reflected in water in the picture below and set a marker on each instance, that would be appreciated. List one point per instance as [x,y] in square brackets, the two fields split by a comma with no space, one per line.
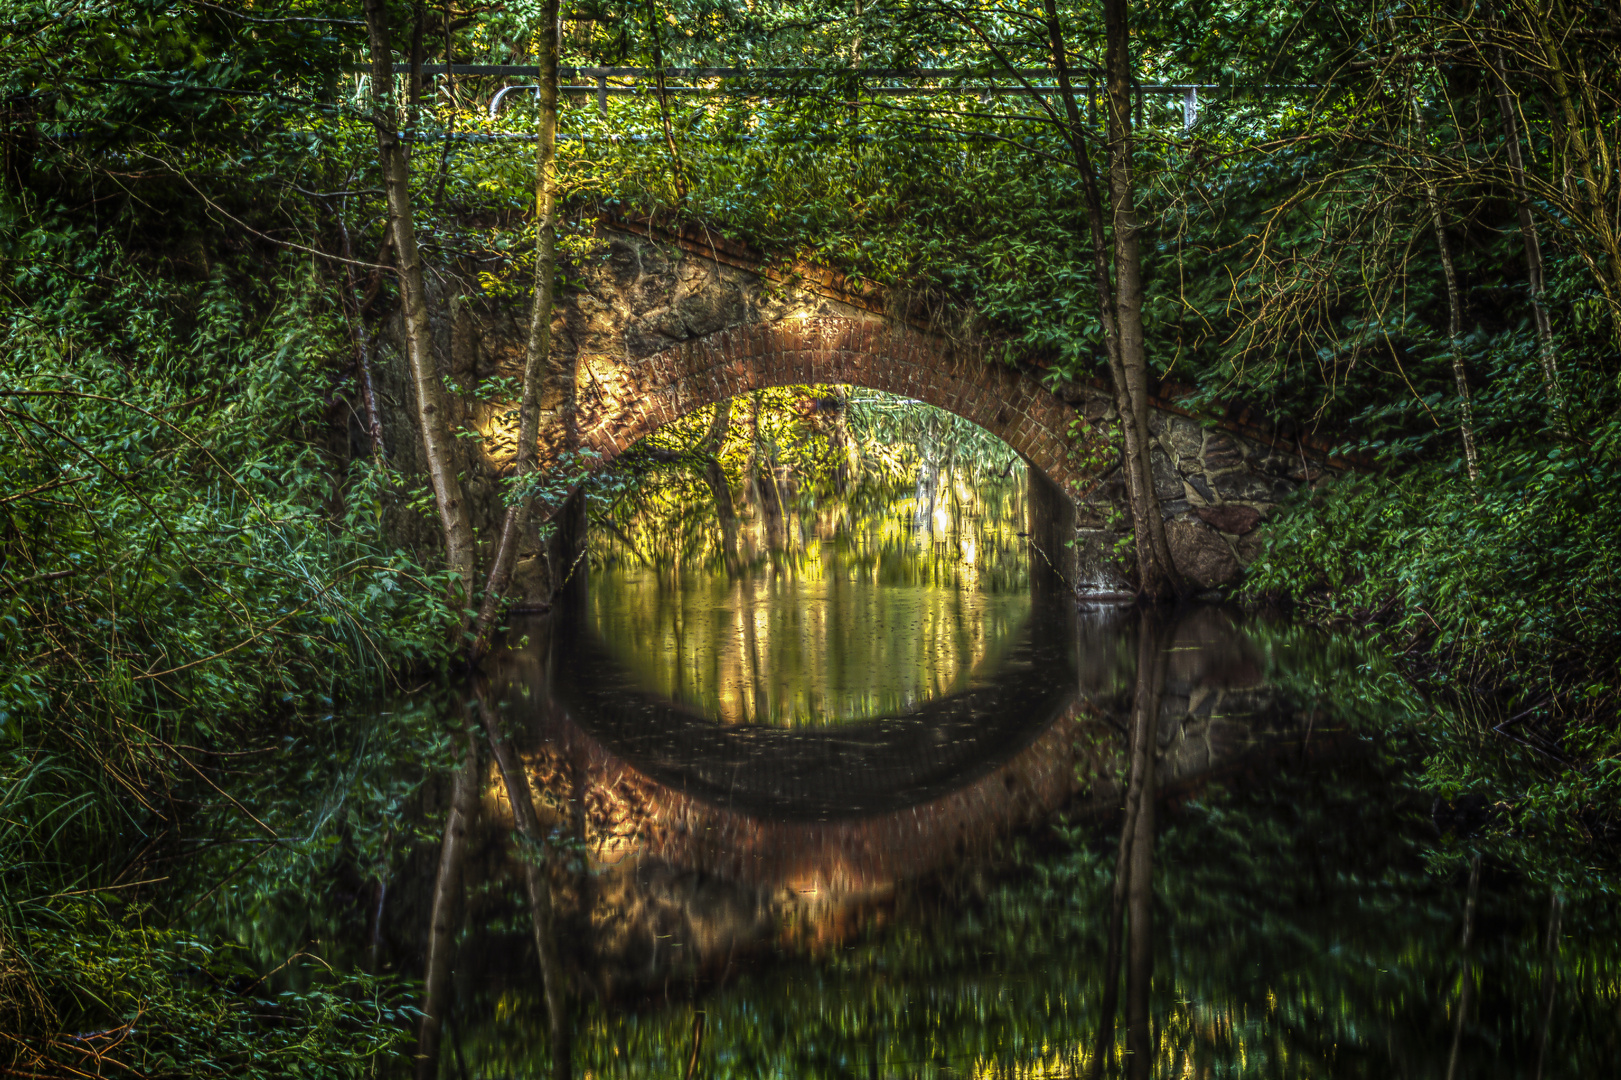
[1236,883]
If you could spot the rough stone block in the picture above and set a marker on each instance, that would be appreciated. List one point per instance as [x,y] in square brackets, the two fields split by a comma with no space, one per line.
[1231,518]
[1200,554]
[1167,481]
[1222,452]
[1186,439]
[1243,486]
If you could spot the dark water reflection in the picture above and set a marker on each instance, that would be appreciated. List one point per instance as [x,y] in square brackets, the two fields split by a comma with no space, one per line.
[929,893]
[834,631]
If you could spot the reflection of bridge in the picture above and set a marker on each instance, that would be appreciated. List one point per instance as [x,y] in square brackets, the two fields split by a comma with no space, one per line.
[818,774]
[716,839]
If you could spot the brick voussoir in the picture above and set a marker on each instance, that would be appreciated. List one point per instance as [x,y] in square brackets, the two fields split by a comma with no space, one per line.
[628,401]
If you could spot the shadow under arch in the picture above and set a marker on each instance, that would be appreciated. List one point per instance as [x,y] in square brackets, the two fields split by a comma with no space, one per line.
[820,774]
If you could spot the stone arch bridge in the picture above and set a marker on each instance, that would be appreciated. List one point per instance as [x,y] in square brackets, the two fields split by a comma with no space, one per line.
[658,326]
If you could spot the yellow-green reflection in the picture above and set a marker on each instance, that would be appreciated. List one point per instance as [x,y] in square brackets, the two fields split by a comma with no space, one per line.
[832,631]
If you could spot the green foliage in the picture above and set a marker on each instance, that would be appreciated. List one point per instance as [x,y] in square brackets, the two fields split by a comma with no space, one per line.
[831,458]
[159,1002]
[1501,598]
[187,573]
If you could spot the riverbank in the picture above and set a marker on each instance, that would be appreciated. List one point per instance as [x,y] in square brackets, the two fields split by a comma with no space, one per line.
[1496,602]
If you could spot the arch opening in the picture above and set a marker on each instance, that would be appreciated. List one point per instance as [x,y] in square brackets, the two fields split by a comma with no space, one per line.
[812,556]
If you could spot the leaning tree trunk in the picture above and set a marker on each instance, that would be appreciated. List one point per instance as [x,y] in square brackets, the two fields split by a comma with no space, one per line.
[538,353]
[437,445]
[1589,205]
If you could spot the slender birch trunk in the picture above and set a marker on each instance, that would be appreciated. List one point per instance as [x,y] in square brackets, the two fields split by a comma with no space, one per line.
[554,979]
[447,891]
[437,445]
[1449,273]
[537,355]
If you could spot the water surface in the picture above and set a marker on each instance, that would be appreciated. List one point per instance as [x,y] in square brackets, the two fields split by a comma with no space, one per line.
[857,813]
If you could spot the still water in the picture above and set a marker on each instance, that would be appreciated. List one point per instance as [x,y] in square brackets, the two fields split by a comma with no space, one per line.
[858,812]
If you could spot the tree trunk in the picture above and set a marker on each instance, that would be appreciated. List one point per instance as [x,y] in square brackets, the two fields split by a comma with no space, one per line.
[1449,273]
[1157,573]
[554,979]
[413,79]
[848,472]
[1589,194]
[766,497]
[447,889]
[1144,502]
[719,487]
[537,355]
[1547,356]
[677,171]
[751,463]
[437,445]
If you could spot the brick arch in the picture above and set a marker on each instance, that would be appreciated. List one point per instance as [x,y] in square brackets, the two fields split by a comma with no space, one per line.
[620,403]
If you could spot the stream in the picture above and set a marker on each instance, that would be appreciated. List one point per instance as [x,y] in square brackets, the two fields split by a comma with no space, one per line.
[857,813]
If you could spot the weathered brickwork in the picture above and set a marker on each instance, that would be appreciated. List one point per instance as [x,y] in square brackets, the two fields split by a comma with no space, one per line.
[653,333]
[644,395]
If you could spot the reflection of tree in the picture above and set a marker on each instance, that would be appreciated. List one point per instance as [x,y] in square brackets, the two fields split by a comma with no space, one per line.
[1132,891]
[447,890]
[533,857]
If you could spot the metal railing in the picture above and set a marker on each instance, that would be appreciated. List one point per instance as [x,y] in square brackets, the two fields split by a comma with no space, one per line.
[748,81]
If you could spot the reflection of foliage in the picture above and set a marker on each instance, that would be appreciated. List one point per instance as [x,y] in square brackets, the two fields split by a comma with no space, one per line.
[1297,935]
[1514,578]
[151,999]
[818,639]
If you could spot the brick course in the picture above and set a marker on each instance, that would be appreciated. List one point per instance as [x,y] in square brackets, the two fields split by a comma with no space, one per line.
[831,349]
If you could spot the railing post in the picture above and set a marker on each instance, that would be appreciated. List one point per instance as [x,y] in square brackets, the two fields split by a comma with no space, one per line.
[1190,107]
[602,94]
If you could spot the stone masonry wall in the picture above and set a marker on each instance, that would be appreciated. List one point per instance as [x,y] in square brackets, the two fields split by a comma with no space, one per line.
[654,332]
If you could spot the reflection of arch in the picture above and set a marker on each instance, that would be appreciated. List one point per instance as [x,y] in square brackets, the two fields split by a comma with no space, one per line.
[619,404]
[821,774]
